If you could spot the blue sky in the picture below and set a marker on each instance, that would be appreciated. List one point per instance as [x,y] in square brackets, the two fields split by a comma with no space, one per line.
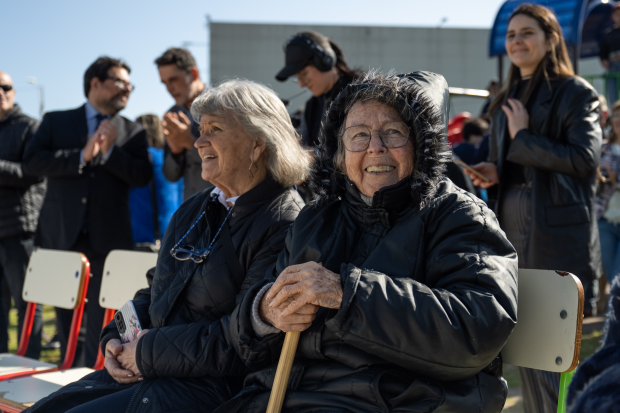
[55,41]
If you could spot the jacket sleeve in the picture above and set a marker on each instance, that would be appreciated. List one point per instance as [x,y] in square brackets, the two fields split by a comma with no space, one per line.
[454,325]
[11,173]
[130,162]
[578,153]
[205,348]
[173,165]
[255,351]
[41,159]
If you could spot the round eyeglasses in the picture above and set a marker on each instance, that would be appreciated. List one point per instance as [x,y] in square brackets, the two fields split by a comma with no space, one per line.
[392,134]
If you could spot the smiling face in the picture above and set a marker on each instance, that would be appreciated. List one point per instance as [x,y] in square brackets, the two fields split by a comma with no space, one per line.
[110,95]
[526,44]
[377,166]
[227,152]
[317,82]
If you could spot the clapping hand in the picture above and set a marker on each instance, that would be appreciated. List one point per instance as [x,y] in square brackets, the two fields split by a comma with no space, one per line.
[102,140]
[178,131]
[517,115]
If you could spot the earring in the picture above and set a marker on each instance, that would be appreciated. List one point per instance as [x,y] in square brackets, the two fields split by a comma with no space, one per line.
[250,168]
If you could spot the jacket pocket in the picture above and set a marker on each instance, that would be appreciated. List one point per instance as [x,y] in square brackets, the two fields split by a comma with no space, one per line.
[562,215]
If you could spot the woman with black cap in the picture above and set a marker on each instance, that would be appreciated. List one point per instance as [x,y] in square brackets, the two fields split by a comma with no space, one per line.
[319,66]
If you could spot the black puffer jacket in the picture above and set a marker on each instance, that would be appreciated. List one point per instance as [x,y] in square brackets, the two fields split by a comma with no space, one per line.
[185,357]
[21,196]
[429,287]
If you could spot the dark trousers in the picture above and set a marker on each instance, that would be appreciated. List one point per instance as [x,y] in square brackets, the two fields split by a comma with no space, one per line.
[92,322]
[540,388]
[117,402]
[14,255]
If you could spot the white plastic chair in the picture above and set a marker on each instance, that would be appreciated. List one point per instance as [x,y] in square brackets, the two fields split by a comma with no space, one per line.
[124,273]
[59,279]
[548,331]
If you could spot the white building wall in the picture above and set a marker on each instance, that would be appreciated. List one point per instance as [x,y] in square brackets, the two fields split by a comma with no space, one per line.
[255,51]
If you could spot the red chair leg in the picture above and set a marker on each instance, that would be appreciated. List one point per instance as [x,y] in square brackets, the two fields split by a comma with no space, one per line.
[26,329]
[76,321]
[109,316]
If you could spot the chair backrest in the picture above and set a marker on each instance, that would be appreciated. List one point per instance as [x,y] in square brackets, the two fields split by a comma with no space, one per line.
[124,273]
[548,331]
[55,278]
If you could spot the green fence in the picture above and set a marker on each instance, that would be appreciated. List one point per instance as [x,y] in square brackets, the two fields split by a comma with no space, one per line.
[596,80]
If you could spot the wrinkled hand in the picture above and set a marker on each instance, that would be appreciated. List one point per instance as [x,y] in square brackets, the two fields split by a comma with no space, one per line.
[178,131]
[308,283]
[487,169]
[127,357]
[112,350]
[300,320]
[107,131]
[517,115]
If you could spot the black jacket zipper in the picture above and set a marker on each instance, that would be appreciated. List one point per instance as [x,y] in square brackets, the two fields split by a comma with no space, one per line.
[133,396]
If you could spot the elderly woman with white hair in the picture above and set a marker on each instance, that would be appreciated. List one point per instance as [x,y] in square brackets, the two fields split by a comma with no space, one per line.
[218,244]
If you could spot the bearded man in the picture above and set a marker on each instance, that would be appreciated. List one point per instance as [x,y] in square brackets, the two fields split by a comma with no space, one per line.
[91,157]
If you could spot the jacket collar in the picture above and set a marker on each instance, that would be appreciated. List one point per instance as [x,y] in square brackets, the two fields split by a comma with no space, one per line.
[16,111]
[248,202]
[388,203]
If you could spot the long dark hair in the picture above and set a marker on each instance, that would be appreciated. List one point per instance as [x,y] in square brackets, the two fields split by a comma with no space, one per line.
[341,65]
[613,138]
[556,63]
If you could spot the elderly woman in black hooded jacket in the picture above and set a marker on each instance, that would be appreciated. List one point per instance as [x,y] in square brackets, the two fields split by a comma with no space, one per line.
[403,286]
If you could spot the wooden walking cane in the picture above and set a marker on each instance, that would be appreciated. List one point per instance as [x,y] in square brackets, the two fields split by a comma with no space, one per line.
[285,364]
[278,391]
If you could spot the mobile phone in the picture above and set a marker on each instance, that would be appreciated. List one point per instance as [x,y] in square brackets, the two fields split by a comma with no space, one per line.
[127,322]
[470,170]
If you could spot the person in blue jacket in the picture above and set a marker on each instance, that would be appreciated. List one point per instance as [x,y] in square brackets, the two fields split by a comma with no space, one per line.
[153,205]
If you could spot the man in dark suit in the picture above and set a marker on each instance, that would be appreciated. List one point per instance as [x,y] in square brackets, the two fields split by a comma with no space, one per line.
[91,157]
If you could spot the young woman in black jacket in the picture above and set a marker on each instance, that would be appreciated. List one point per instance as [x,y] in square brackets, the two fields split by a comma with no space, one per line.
[544,150]
[217,245]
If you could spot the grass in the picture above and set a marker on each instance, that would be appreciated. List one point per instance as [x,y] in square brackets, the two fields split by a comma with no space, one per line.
[49,327]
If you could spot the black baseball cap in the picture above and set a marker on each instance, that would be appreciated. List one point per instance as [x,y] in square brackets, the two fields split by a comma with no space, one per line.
[298,54]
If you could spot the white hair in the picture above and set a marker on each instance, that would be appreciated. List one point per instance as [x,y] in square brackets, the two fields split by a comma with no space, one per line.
[263,116]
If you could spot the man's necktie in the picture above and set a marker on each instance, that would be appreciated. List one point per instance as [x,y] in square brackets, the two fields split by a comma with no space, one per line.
[99,118]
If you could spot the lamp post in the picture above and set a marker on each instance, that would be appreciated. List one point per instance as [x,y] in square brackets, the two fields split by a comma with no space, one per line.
[33,81]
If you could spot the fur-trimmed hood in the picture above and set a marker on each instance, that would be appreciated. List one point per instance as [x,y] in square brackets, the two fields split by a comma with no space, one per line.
[423,101]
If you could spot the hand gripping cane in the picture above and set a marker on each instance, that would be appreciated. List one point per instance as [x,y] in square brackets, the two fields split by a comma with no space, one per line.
[278,391]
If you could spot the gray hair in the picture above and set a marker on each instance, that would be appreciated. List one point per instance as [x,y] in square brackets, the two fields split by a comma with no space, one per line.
[382,87]
[263,116]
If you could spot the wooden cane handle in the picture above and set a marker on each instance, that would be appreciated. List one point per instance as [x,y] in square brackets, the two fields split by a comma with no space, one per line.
[278,391]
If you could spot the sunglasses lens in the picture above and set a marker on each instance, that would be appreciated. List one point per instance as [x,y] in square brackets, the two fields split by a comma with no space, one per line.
[182,255]
[6,88]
